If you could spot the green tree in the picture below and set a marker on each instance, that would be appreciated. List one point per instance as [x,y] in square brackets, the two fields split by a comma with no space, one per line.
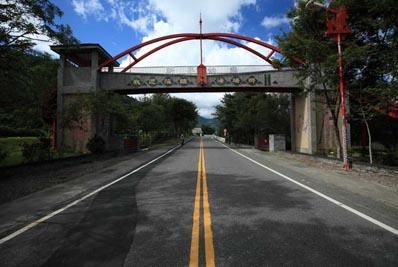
[183,115]
[151,117]
[246,114]
[28,82]
[25,21]
[206,129]
[27,77]
[370,55]
[103,105]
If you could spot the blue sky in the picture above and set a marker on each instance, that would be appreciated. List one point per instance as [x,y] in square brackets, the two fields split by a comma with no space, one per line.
[96,26]
[120,24]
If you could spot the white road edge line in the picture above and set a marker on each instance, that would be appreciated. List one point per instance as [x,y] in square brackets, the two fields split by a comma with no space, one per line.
[45,218]
[338,203]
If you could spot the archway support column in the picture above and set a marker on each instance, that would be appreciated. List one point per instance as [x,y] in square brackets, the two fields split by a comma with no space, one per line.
[78,75]
[304,135]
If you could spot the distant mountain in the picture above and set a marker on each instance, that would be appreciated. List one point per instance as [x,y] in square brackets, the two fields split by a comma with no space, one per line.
[210,122]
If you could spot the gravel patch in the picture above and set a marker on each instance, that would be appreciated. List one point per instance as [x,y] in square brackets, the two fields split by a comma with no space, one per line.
[385,176]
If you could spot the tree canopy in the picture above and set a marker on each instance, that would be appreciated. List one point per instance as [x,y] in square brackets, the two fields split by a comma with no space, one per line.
[27,77]
[157,113]
[22,22]
[370,55]
[206,129]
[246,114]
[28,90]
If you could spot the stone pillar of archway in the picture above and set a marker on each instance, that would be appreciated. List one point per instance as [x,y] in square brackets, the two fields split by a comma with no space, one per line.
[305,124]
[78,75]
[305,121]
[292,109]
[313,129]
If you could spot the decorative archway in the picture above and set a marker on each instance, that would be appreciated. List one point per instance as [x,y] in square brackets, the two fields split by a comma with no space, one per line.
[230,38]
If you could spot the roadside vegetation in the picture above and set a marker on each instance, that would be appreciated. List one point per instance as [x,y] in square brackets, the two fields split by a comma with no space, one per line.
[28,95]
[151,120]
[370,55]
[246,115]
[207,129]
[11,149]
[27,78]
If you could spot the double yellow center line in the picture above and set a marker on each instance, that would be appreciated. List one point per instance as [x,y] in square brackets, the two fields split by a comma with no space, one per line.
[208,234]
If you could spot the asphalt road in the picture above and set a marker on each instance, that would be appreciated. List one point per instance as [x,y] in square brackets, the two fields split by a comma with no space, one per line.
[203,204]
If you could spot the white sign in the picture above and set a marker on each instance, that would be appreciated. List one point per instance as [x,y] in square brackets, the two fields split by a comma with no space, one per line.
[277,142]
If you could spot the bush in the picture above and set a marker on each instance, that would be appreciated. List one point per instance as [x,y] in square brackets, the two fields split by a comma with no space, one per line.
[19,132]
[3,153]
[29,151]
[96,145]
[145,141]
[160,137]
[389,159]
[39,151]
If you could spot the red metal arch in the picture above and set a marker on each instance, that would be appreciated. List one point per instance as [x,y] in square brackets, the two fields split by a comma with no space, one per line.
[183,37]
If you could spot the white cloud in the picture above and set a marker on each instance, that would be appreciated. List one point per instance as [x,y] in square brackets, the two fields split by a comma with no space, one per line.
[217,15]
[297,2]
[140,24]
[88,7]
[204,101]
[41,41]
[272,22]
[135,14]
[44,45]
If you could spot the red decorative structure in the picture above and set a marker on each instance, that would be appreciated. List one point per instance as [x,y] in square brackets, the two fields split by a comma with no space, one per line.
[338,29]
[201,77]
[337,25]
[183,37]
[392,111]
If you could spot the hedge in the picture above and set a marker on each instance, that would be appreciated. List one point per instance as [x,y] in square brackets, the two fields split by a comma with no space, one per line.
[6,131]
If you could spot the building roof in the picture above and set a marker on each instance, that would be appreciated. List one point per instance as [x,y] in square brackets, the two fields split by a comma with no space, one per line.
[80,53]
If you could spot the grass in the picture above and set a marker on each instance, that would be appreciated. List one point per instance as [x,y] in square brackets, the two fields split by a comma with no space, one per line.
[389,158]
[13,146]
[171,141]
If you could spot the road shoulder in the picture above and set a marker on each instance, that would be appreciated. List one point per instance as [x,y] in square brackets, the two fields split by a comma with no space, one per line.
[375,200]
[21,211]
